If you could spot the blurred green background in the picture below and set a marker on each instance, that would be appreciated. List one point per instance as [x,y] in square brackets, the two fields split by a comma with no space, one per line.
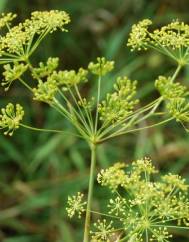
[38,171]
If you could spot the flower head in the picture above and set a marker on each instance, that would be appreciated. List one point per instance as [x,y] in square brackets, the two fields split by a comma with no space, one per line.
[69,78]
[179,109]
[138,38]
[45,69]
[15,40]
[22,39]
[119,104]
[10,118]
[12,73]
[175,181]
[112,177]
[160,235]
[101,67]
[169,89]
[103,231]
[6,19]
[174,35]
[117,206]
[171,40]
[47,21]
[45,91]
[76,205]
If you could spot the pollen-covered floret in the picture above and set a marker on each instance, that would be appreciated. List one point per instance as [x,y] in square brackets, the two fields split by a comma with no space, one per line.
[12,72]
[10,118]
[101,67]
[119,104]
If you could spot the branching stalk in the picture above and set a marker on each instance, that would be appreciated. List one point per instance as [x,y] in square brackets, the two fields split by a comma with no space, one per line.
[90,193]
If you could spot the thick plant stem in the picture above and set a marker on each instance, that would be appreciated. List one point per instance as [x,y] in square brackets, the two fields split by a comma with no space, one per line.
[90,193]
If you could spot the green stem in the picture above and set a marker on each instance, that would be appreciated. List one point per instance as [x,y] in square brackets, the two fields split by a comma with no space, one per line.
[176,72]
[87,112]
[146,232]
[169,226]
[25,84]
[90,194]
[97,104]
[82,117]
[38,41]
[103,130]
[135,130]
[106,215]
[48,130]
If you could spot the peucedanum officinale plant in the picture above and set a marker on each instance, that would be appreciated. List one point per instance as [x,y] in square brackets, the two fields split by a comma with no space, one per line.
[145,209]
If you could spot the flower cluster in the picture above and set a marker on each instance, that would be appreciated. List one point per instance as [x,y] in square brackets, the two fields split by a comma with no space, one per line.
[142,208]
[76,205]
[169,89]
[101,67]
[20,40]
[179,109]
[45,91]
[6,19]
[172,39]
[70,78]
[115,172]
[10,118]
[45,69]
[174,35]
[119,104]
[139,38]
[48,21]
[14,41]
[12,73]
[175,96]
[105,231]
